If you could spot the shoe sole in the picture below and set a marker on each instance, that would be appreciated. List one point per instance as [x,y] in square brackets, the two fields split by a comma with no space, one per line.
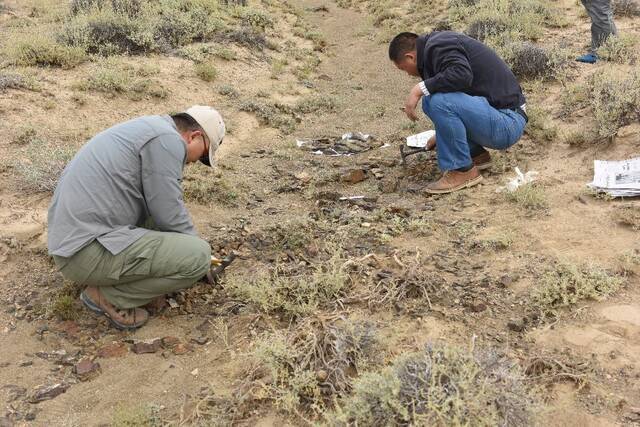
[467,184]
[483,166]
[97,310]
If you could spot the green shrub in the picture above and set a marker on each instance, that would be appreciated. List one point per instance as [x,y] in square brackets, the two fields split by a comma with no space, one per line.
[40,50]
[568,284]
[16,81]
[540,126]
[206,71]
[108,27]
[108,33]
[614,100]
[255,18]
[529,61]
[441,385]
[276,115]
[620,49]
[313,364]
[314,104]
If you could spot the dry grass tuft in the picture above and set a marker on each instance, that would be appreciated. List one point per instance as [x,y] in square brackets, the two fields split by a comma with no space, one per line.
[629,216]
[292,291]
[41,165]
[531,197]
[116,79]
[626,7]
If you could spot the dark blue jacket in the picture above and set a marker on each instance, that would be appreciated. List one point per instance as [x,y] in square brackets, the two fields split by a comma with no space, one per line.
[453,62]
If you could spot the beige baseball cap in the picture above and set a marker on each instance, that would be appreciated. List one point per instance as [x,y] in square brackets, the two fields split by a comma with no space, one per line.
[211,121]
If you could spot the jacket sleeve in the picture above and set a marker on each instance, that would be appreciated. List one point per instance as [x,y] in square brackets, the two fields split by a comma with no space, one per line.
[451,66]
[162,161]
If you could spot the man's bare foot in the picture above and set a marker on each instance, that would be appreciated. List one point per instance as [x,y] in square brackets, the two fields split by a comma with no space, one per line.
[125,319]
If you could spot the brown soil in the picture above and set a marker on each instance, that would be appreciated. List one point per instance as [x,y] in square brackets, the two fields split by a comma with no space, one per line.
[263,166]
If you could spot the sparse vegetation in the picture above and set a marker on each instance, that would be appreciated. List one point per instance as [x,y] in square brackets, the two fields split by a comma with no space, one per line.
[498,241]
[64,308]
[117,79]
[626,7]
[294,293]
[529,196]
[42,165]
[567,284]
[15,81]
[622,49]
[210,189]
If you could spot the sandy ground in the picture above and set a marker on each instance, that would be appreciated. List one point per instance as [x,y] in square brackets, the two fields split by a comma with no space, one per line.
[255,160]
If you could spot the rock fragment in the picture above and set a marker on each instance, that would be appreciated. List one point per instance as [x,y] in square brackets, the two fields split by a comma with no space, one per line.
[354,176]
[115,349]
[147,346]
[47,392]
[86,369]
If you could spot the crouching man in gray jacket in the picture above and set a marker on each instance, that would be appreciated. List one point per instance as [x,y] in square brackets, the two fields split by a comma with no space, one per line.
[124,179]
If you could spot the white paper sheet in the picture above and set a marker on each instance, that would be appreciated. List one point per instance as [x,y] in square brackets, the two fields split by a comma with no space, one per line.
[617,178]
[420,140]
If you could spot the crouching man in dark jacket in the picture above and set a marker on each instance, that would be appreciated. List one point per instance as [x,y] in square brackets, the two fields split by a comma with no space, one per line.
[472,97]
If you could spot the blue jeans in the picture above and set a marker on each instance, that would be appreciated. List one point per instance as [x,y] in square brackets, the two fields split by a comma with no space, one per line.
[466,124]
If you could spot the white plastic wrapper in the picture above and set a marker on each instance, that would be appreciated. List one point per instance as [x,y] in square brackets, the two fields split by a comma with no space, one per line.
[519,180]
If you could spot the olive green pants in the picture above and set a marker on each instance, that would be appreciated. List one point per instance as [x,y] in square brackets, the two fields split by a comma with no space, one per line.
[157,264]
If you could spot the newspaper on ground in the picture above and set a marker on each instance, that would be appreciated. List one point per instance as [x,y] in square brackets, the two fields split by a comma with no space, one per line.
[519,180]
[420,140]
[617,178]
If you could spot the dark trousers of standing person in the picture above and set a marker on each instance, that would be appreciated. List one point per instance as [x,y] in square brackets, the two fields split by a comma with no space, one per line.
[602,25]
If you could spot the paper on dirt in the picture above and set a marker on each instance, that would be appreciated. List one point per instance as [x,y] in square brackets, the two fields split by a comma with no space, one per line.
[617,178]
[420,140]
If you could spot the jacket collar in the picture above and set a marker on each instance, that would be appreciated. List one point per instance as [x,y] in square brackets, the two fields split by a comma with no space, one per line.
[420,44]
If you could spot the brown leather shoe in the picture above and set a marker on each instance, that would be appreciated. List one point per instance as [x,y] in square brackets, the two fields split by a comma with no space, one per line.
[454,180]
[482,161]
[125,319]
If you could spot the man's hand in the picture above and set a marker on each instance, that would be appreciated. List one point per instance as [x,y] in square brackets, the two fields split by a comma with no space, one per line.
[412,102]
